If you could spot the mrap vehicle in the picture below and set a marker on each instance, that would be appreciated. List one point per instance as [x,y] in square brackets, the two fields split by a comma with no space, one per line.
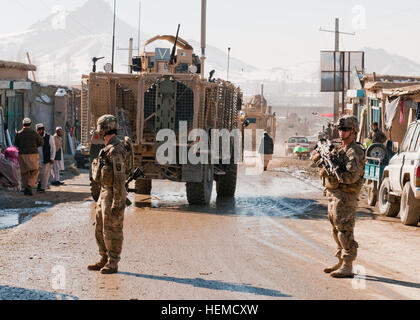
[166,91]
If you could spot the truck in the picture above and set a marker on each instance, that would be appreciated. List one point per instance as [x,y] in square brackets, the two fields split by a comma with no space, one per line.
[167,92]
[259,117]
[399,192]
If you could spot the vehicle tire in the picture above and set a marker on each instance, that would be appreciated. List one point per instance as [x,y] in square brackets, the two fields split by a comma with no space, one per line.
[372,194]
[199,193]
[410,207]
[144,187]
[387,208]
[95,190]
[226,184]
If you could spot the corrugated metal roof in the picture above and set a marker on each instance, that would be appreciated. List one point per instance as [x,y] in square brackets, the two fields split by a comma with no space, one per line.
[389,78]
[388,85]
[407,90]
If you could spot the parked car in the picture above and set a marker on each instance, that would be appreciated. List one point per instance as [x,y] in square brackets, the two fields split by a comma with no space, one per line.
[296,142]
[400,187]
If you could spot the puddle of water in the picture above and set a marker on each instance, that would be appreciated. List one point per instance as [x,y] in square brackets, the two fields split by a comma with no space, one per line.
[242,205]
[10,218]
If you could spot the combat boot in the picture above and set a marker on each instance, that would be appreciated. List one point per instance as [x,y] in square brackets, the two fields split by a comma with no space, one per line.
[336,267]
[99,265]
[29,191]
[346,271]
[110,268]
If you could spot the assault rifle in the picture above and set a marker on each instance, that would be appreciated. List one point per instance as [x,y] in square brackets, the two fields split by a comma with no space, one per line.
[137,174]
[328,161]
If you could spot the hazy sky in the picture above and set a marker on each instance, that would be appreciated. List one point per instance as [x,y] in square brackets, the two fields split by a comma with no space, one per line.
[264,33]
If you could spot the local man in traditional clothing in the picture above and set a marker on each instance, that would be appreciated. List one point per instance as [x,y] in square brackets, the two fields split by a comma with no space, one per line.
[266,150]
[28,142]
[376,135]
[46,157]
[58,164]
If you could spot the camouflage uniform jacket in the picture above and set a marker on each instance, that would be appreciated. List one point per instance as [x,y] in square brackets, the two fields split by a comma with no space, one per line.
[352,162]
[113,173]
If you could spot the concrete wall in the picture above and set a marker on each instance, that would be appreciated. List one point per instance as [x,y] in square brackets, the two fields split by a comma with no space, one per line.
[60,111]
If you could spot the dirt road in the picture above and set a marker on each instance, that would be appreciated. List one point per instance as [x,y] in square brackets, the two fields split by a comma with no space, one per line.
[271,242]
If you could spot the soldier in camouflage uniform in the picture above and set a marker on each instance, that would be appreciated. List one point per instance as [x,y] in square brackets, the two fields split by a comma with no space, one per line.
[342,193]
[109,170]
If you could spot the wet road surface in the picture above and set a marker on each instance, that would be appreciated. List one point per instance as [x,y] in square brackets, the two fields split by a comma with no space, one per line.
[271,242]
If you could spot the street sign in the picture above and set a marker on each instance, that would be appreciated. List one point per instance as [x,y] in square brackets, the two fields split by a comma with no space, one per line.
[337,68]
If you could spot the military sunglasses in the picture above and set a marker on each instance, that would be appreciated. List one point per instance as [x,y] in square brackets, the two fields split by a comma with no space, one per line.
[345,129]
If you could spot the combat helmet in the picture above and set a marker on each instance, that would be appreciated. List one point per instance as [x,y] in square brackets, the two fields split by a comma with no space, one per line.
[348,122]
[107,123]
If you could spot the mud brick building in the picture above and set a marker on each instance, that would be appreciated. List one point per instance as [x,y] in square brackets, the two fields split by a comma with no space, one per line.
[377,98]
[21,97]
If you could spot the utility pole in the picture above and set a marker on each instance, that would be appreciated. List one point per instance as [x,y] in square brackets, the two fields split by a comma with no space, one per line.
[203,35]
[130,56]
[337,33]
[262,98]
[138,36]
[228,66]
[30,62]
[113,37]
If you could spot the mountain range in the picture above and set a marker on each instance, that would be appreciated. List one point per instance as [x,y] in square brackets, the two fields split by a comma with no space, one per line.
[62,47]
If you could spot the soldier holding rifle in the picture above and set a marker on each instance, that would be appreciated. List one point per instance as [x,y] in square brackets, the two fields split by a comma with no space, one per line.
[342,170]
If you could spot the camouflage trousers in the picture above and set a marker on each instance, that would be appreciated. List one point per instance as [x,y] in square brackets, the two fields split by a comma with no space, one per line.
[109,227]
[342,216]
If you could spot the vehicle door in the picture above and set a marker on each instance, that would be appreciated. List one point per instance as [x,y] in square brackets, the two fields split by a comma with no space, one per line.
[411,159]
[397,162]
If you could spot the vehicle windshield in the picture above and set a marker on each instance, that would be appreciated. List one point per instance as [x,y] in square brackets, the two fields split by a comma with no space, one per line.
[298,140]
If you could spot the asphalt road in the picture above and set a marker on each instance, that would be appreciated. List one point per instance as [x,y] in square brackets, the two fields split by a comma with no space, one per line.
[271,242]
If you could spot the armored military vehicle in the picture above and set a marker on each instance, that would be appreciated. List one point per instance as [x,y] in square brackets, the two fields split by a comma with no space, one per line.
[166,92]
[259,117]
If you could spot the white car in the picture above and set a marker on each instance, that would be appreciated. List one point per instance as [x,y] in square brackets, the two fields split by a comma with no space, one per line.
[400,188]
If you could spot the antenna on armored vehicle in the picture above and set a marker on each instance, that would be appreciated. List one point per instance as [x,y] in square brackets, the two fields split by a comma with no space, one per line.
[94,60]
[172,60]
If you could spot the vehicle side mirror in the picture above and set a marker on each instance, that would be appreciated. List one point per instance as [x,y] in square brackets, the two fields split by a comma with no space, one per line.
[246,124]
